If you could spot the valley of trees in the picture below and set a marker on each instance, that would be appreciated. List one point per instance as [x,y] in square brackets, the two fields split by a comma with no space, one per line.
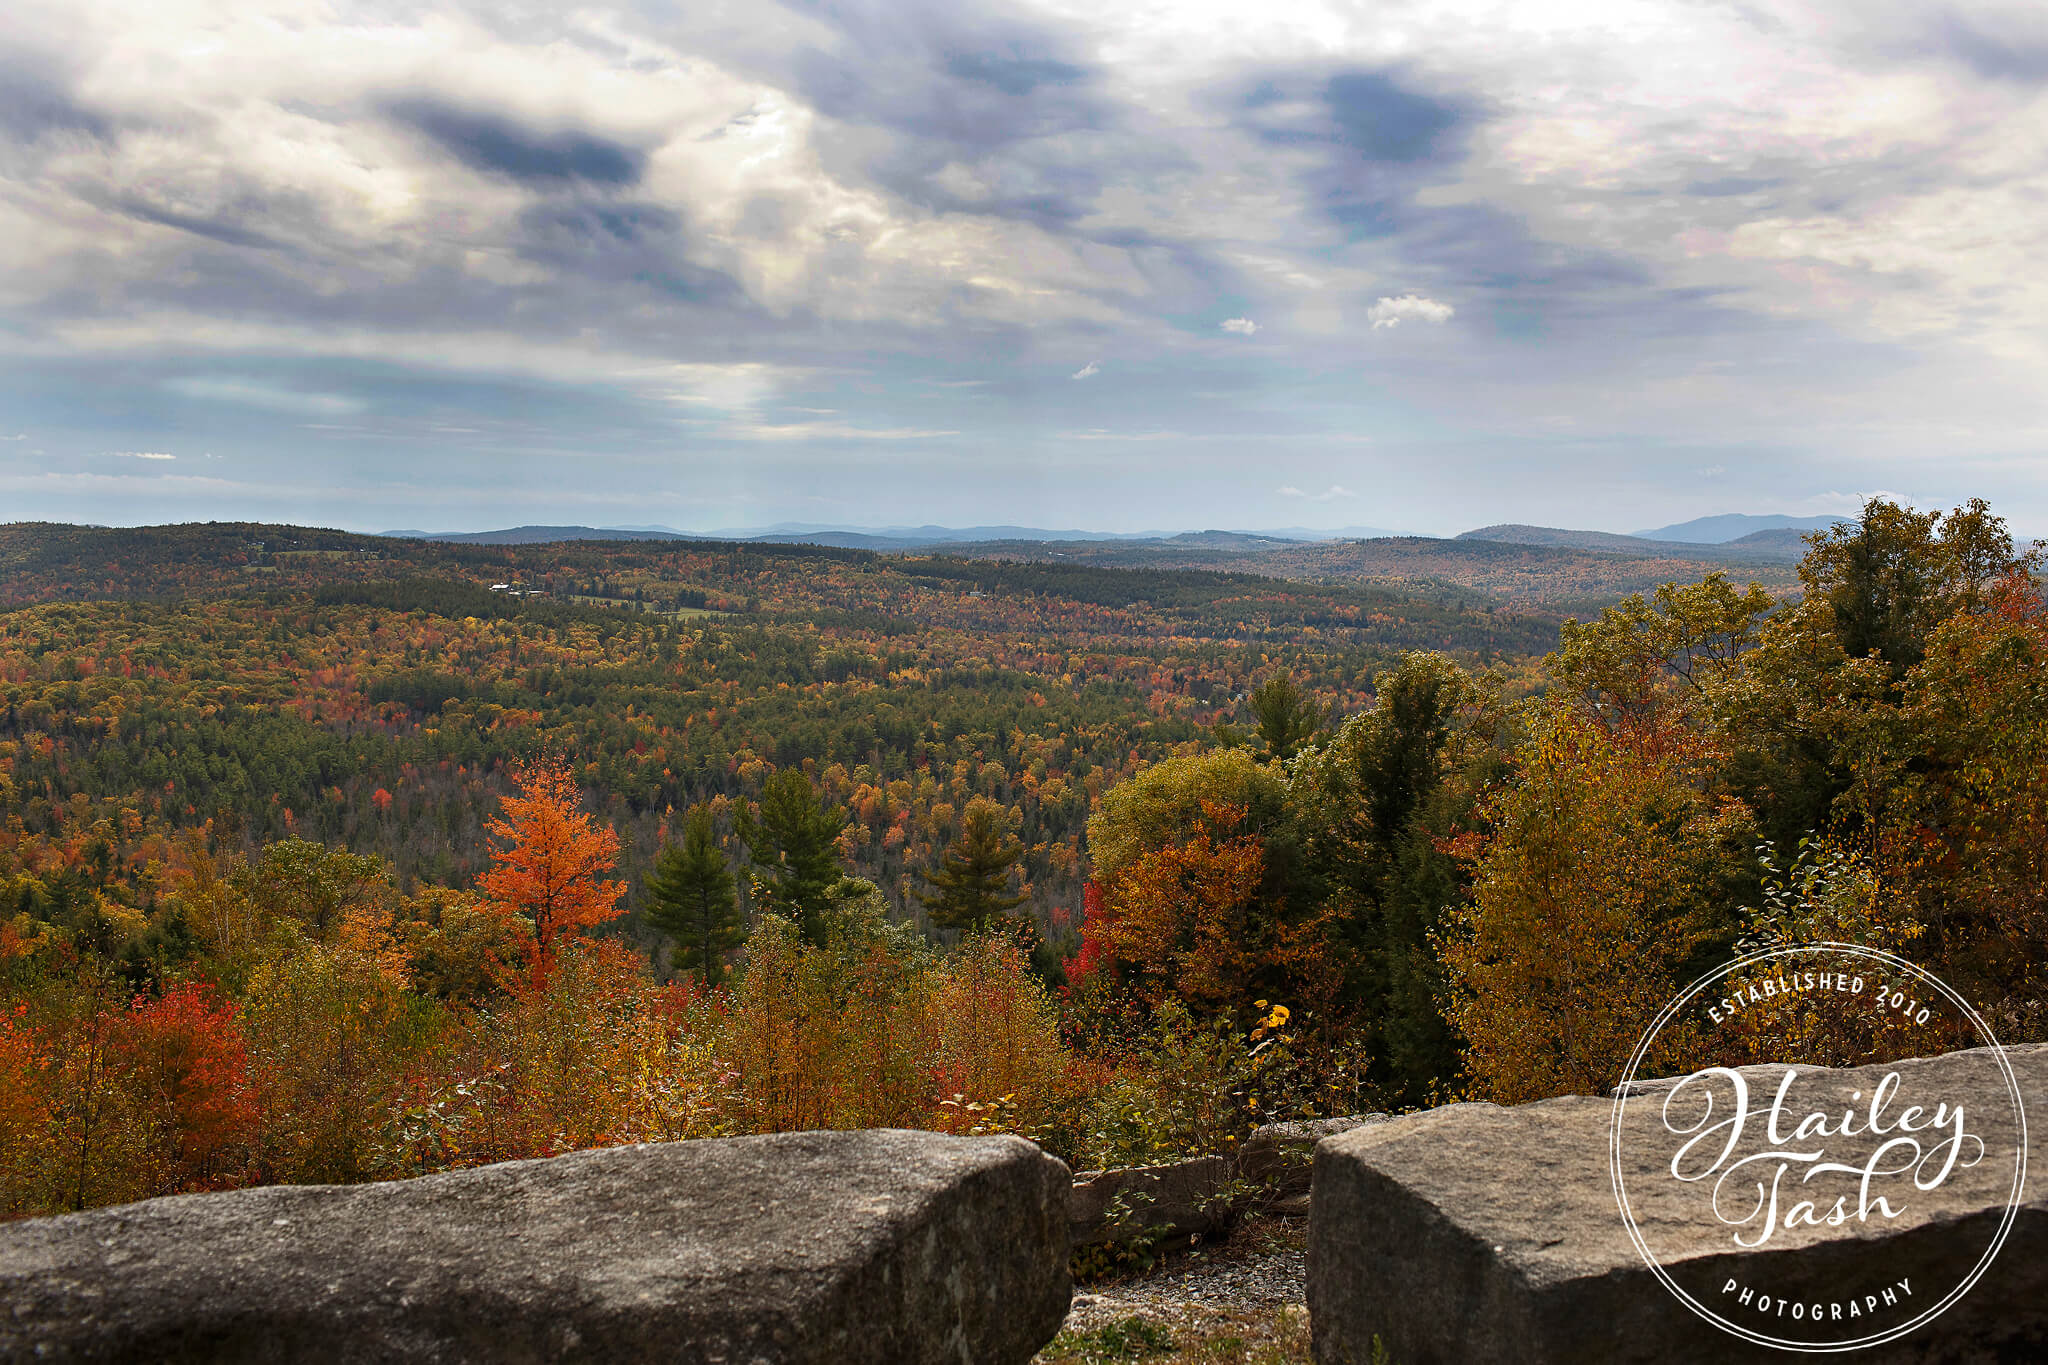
[326,861]
[375,702]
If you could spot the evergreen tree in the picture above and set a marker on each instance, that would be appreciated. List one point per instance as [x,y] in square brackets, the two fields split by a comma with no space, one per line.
[690,898]
[1377,804]
[970,883]
[795,839]
[1287,717]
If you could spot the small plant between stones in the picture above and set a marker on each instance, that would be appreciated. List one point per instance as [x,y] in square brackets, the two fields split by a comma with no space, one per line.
[1130,1339]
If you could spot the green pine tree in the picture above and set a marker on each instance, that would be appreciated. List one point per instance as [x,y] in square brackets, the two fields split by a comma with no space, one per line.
[795,841]
[1288,719]
[973,875]
[690,898]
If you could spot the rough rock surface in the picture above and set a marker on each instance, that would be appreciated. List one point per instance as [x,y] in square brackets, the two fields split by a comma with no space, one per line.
[1182,1199]
[1278,1158]
[879,1246]
[1475,1233]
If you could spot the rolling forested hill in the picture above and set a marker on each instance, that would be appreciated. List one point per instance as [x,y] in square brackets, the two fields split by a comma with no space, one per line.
[370,692]
[1544,578]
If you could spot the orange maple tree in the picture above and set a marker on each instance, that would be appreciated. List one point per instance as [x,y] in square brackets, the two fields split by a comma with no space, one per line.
[1194,919]
[550,869]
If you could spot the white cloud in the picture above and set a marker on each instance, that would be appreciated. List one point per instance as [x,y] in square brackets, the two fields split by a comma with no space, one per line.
[1244,327]
[1408,308]
[255,393]
[828,431]
[140,455]
[22,437]
[1088,371]
[1104,434]
[1330,494]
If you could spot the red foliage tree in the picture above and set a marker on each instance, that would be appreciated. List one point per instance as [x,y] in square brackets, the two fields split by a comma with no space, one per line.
[24,1109]
[1096,950]
[190,1068]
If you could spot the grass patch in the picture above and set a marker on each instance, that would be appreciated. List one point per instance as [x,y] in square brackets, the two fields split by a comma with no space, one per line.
[1276,1336]
[1130,1339]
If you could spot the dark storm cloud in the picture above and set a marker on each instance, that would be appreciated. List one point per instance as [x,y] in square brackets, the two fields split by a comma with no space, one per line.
[627,244]
[923,86]
[500,146]
[33,103]
[212,228]
[1361,114]
[1365,139]
[1995,56]
[963,107]
[1379,119]
[1364,142]
[1013,75]
[950,73]
[1730,186]
[601,225]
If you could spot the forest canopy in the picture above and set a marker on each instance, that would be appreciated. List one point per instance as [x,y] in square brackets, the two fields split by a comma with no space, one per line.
[334,860]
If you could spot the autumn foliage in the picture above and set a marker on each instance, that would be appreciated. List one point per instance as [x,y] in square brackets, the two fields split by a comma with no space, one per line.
[549,871]
[1188,916]
[1598,886]
[1717,769]
[190,1066]
[255,926]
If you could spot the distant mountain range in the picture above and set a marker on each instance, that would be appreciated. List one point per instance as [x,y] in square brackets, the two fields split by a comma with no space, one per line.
[923,535]
[1514,533]
[886,538]
[1729,537]
[1734,526]
[539,535]
[1787,540]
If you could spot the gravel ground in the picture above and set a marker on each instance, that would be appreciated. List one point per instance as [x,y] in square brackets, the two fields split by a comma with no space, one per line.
[1263,1266]
[1248,1291]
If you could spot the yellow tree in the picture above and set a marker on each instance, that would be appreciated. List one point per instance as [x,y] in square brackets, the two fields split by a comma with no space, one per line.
[1968,828]
[1607,870]
[550,869]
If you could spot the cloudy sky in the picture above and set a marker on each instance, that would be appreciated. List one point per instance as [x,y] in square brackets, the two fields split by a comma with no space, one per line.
[1153,264]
